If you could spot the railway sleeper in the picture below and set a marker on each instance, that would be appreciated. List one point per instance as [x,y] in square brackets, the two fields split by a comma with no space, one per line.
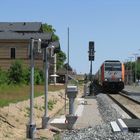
[126,125]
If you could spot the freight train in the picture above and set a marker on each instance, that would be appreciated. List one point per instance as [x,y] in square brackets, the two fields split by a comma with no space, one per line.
[110,76]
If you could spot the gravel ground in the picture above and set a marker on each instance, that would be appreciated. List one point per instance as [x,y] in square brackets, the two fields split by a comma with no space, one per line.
[104,131]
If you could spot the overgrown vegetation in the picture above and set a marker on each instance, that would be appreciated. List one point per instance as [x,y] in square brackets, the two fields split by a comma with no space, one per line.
[3,77]
[17,74]
[14,84]
[14,93]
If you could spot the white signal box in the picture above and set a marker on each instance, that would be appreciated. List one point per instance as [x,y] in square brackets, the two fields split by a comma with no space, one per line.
[71,89]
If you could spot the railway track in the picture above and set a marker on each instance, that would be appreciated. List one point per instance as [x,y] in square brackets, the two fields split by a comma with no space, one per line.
[130,97]
[129,105]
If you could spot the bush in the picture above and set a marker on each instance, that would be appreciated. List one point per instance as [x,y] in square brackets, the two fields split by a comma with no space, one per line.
[26,76]
[3,77]
[15,73]
[38,76]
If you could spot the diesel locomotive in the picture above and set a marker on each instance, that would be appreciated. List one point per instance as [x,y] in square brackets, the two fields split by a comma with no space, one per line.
[110,76]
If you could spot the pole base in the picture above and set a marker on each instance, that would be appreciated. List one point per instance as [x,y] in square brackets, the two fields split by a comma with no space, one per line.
[45,121]
[71,119]
[30,131]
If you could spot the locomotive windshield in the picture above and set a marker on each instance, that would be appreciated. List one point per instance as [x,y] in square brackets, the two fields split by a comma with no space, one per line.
[113,67]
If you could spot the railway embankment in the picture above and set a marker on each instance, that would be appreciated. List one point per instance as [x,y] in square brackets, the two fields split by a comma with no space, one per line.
[15,117]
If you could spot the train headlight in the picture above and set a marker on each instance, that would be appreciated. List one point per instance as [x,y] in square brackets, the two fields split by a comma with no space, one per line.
[105,79]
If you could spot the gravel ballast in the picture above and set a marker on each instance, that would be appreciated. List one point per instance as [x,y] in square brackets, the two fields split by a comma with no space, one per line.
[104,131]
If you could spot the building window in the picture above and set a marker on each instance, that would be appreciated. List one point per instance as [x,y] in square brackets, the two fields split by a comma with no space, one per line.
[13,53]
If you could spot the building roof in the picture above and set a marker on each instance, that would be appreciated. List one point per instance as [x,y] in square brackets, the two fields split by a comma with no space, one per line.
[20,26]
[24,36]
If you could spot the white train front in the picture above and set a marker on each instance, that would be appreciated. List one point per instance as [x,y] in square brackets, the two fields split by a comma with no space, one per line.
[110,76]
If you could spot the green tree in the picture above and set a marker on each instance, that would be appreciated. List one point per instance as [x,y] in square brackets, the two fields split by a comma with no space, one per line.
[66,66]
[50,29]
[134,66]
[61,56]
[138,71]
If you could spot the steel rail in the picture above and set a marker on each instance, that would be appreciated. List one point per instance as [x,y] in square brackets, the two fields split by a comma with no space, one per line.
[128,97]
[130,113]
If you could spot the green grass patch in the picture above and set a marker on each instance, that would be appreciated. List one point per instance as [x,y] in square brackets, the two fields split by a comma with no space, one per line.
[51,104]
[57,136]
[15,93]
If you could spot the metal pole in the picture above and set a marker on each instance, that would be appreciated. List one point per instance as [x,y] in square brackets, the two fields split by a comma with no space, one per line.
[55,69]
[135,70]
[71,106]
[90,88]
[135,54]
[91,70]
[46,83]
[131,75]
[32,83]
[127,73]
[67,72]
[31,127]
[45,118]
[68,47]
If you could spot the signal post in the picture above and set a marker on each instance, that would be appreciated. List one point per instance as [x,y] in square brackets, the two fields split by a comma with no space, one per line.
[91,58]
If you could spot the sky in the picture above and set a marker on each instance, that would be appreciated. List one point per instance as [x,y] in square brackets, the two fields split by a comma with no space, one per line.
[114,26]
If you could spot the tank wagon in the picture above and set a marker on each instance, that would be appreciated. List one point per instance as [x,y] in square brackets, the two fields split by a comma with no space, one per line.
[111,76]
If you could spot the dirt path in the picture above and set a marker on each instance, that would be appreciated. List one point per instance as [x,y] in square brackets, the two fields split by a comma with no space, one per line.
[13,118]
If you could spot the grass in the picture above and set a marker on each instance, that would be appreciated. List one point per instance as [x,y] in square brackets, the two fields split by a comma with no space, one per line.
[15,93]
[51,104]
[57,136]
